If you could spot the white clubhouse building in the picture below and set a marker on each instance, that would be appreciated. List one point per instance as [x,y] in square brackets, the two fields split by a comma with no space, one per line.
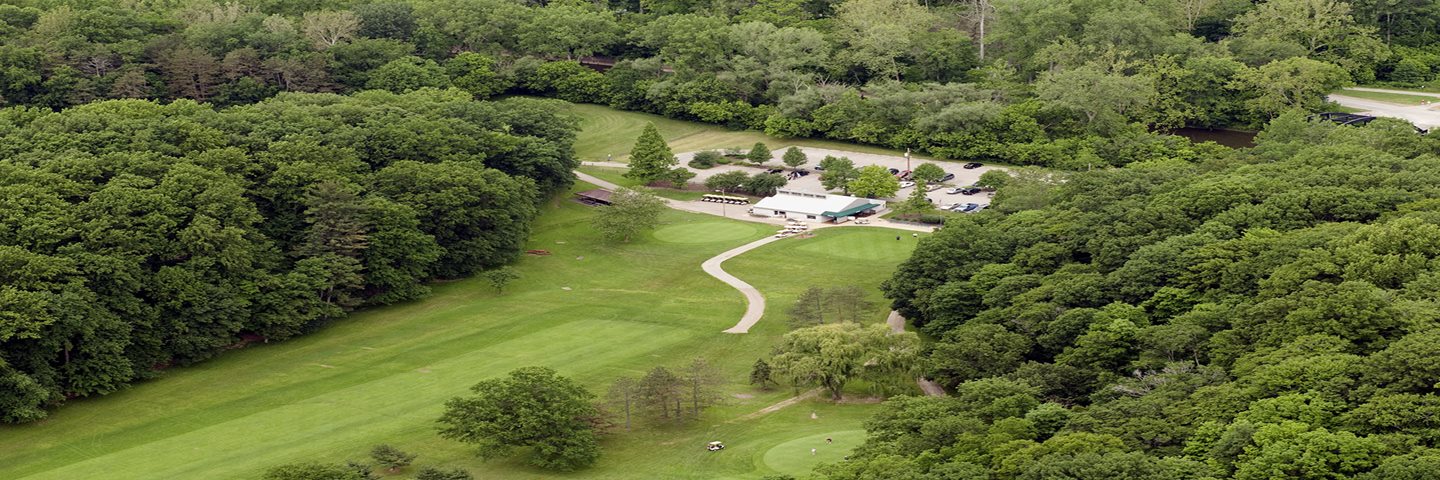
[815,207]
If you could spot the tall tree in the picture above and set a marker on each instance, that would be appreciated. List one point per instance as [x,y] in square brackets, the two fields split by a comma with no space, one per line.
[809,308]
[529,407]
[651,158]
[337,218]
[702,385]
[872,181]
[927,173]
[847,302]
[624,395]
[328,28]
[759,153]
[760,374]
[629,212]
[660,393]
[832,355]
[794,157]
[838,172]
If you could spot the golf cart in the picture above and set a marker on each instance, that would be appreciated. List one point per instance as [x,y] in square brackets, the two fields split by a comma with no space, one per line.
[715,446]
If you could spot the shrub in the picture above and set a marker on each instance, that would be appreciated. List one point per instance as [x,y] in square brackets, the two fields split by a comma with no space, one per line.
[707,159]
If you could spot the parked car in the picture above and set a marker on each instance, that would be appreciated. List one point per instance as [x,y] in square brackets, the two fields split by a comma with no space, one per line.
[948,177]
[775,170]
[907,184]
[955,190]
[803,172]
[969,207]
[970,191]
[819,168]
[905,175]
[973,165]
[894,171]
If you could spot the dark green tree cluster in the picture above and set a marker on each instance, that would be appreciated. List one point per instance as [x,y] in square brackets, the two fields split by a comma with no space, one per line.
[535,408]
[136,236]
[664,396]
[1261,315]
[1024,81]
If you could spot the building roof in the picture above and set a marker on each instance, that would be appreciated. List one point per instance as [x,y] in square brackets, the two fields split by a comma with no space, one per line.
[852,210]
[599,195]
[815,203]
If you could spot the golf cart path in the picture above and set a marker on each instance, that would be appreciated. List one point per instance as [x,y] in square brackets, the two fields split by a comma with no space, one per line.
[1422,116]
[754,301]
[1386,90]
[897,325]
[779,405]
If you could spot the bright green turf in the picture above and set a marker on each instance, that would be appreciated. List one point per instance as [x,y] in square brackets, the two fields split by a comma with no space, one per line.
[382,375]
[607,131]
[861,244]
[1397,98]
[794,457]
[705,232]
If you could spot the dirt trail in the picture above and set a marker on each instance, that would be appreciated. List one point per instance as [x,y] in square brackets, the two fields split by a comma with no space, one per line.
[897,325]
[780,405]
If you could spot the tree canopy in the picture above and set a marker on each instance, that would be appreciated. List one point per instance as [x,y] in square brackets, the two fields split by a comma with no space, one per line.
[1262,314]
[142,235]
[530,407]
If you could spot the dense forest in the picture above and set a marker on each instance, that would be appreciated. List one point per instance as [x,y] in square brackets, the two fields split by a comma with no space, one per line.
[1267,314]
[136,236]
[1067,83]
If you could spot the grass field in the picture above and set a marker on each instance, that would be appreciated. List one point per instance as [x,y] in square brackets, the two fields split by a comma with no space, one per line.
[608,131]
[1396,98]
[594,312]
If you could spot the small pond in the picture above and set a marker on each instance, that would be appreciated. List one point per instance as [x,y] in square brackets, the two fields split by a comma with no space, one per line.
[1229,138]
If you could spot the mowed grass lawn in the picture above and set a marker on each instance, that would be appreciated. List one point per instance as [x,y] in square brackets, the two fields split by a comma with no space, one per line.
[608,131]
[592,311]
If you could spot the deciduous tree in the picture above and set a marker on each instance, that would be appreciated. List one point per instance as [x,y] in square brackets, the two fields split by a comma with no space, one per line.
[832,355]
[873,181]
[529,407]
[630,212]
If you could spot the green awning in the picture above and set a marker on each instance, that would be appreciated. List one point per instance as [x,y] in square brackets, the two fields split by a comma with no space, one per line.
[850,211]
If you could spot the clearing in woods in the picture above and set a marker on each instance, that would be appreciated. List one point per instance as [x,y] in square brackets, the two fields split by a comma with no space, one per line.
[592,311]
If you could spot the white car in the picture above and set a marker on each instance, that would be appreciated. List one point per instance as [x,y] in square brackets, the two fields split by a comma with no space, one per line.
[907,184]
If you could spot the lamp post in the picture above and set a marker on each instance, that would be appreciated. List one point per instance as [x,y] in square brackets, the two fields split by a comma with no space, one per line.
[722,205]
[907,158]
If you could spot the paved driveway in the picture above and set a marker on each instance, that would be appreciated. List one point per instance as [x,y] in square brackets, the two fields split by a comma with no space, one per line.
[1423,116]
[812,182]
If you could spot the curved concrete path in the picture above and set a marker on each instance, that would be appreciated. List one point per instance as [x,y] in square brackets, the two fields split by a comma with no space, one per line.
[897,325]
[754,301]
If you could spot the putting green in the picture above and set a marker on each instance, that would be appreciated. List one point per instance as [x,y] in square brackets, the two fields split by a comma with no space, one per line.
[863,244]
[704,232]
[794,457]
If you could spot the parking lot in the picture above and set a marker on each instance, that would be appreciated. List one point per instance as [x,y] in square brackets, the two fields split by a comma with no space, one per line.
[811,182]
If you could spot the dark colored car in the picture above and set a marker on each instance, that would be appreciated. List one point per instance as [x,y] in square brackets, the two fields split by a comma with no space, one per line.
[970,191]
[775,170]
[948,177]
[894,171]
[803,172]
[973,165]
